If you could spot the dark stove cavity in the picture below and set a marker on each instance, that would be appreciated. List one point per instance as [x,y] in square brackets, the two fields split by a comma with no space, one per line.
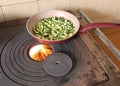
[57,64]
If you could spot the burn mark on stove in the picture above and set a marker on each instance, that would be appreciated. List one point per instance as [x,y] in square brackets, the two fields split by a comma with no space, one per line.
[64,80]
[79,77]
[86,75]
[118,72]
[88,63]
[92,73]
[106,76]
[93,83]
[111,67]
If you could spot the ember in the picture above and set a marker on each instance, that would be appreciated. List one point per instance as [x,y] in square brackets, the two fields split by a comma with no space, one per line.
[40,52]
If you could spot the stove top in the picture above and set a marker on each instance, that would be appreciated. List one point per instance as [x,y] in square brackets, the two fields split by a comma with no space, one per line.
[17,69]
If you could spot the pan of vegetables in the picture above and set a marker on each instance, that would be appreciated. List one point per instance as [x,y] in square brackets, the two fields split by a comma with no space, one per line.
[56,26]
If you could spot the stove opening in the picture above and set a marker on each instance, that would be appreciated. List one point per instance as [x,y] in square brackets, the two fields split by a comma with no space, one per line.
[40,52]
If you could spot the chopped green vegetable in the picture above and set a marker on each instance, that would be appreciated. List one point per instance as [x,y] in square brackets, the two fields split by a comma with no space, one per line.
[53,28]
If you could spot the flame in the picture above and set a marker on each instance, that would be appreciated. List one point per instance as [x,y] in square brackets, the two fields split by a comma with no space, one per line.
[40,52]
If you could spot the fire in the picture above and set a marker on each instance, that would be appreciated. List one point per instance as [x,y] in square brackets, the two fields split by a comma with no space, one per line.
[40,52]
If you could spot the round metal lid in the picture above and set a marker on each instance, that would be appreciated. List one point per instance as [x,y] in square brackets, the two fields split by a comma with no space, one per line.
[57,64]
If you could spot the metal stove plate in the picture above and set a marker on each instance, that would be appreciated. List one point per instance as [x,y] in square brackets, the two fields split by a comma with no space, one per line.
[57,64]
[17,65]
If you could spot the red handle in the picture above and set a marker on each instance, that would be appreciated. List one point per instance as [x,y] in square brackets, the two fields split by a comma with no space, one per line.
[98,25]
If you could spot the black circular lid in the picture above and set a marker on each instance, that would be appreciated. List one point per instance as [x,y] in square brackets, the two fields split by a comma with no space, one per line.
[57,64]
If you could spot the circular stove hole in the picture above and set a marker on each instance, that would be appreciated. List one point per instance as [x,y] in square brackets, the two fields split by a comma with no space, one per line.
[57,62]
[40,52]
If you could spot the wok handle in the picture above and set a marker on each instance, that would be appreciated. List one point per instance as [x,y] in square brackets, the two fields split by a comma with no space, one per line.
[98,25]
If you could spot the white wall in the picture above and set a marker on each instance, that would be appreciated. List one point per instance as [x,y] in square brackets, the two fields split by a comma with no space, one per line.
[97,10]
